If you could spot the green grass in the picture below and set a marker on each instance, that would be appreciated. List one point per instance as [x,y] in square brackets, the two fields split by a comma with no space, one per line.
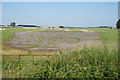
[107,34]
[99,61]
[9,33]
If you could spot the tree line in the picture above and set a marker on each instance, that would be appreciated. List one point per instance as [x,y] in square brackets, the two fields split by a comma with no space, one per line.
[13,24]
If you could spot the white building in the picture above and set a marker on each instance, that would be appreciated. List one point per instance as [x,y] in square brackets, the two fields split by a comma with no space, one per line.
[49,26]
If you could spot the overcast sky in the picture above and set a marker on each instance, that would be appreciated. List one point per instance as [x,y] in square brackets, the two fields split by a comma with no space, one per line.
[83,14]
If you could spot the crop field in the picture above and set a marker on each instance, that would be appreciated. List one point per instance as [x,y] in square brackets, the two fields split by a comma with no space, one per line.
[74,53]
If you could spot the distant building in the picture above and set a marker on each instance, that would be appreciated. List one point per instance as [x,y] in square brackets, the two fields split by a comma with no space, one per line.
[39,27]
[50,26]
[27,26]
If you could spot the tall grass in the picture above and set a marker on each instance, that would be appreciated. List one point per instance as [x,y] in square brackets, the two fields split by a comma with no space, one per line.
[90,62]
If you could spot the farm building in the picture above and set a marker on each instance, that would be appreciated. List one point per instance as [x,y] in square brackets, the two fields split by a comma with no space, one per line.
[27,26]
[50,26]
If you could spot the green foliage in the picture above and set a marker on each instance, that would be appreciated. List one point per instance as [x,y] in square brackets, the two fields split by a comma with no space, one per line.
[29,52]
[118,24]
[94,62]
[89,62]
[61,26]
[12,24]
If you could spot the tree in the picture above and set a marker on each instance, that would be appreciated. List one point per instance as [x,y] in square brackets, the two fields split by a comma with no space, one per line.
[61,26]
[118,24]
[12,24]
[1,25]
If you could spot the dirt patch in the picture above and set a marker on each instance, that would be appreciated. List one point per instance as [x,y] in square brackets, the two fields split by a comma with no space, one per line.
[85,30]
[52,40]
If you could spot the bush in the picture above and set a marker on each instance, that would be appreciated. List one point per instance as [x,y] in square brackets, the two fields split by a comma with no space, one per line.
[61,26]
[118,24]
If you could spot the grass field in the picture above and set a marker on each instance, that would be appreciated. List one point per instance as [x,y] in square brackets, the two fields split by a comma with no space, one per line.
[97,61]
[8,33]
[107,35]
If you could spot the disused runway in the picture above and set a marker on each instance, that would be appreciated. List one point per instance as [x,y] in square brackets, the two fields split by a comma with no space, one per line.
[52,40]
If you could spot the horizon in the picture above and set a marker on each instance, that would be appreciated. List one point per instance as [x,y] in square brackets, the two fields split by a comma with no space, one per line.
[61,13]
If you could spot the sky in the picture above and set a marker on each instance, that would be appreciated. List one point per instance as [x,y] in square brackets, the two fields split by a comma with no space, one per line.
[82,14]
[118,10]
[60,0]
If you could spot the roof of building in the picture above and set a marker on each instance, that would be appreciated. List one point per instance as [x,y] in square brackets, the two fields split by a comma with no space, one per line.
[27,25]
